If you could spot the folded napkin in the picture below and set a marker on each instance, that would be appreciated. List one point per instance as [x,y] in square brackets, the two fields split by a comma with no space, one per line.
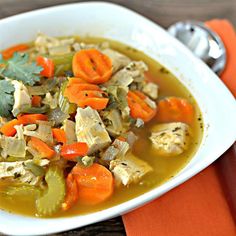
[198,207]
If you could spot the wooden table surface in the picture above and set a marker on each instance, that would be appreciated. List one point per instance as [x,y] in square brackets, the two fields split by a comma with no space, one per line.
[163,12]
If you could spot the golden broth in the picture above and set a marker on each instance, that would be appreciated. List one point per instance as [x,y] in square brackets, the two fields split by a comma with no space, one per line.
[164,167]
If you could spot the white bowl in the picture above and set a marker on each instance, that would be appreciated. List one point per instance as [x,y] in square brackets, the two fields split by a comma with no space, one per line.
[111,21]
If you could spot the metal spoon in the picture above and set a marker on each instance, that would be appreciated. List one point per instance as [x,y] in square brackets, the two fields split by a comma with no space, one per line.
[202,41]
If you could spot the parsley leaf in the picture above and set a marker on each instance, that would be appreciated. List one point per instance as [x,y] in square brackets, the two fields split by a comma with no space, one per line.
[6,97]
[19,68]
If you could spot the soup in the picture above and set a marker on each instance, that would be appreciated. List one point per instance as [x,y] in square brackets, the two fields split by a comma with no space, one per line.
[92,124]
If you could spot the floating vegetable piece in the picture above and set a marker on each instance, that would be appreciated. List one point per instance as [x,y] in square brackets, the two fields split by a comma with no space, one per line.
[173,109]
[71,151]
[69,128]
[139,108]
[51,201]
[72,193]
[57,116]
[35,169]
[59,135]
[9,52]
[74,80]
[8,128]
[92,66]
[47,65]
[62,63]
[95,183]
[46,87]
[88,160]
[42,148]
[31,110]
[64,104]
[85,94]
[36,101]
[31,118]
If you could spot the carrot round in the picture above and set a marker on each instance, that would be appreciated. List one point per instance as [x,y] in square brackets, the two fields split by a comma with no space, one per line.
[8,128]
[8,53]
[95,183]
[74,80]
[173,109]
[36,101]
[85,94]
[47,65]
[71,151]
[72,193]
[31,118]
[92,66]
[42,148]
[138,107]
[59,135]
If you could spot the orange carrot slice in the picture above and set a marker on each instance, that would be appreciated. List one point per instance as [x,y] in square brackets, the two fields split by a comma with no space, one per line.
[74,80]
[92,66]
[9,52]
[71,151]
[8,128]
[59,135]
[42,148]
[31,118]
[36,101]
[47,65]
[138,107]
[173,109]
[85,94]
[95,183]
[72,193]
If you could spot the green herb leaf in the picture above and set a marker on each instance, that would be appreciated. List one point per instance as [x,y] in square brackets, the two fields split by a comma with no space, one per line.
[6,97]
[19,68]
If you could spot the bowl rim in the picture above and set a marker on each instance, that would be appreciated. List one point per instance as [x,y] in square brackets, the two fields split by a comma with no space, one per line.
[72,222]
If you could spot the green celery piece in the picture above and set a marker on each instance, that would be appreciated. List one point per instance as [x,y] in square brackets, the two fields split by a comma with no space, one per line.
[64,104]
[19,68]
[52,199]
[6,97]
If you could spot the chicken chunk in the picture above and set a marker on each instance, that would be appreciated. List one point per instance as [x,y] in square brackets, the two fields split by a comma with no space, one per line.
[117,149]
[14,146]
[118,60]
[133,72]
[151,90]
[91,130]
[129,169]
[17,170]
[53,46]
[21,97]
[170,139]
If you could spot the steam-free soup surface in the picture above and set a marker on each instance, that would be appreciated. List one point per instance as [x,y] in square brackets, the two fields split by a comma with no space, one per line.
[164,167]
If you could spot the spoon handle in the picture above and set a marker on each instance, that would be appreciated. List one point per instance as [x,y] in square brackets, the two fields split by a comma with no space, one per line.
[226,168]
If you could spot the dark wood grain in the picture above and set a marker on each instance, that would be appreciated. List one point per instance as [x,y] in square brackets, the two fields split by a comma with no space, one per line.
[164,12]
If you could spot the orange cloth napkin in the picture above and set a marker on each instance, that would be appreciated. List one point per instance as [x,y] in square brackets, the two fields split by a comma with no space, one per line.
[198,207]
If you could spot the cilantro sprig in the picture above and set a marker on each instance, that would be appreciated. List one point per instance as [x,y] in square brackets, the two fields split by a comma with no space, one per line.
[6,97]
[19,68]
[16,68]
